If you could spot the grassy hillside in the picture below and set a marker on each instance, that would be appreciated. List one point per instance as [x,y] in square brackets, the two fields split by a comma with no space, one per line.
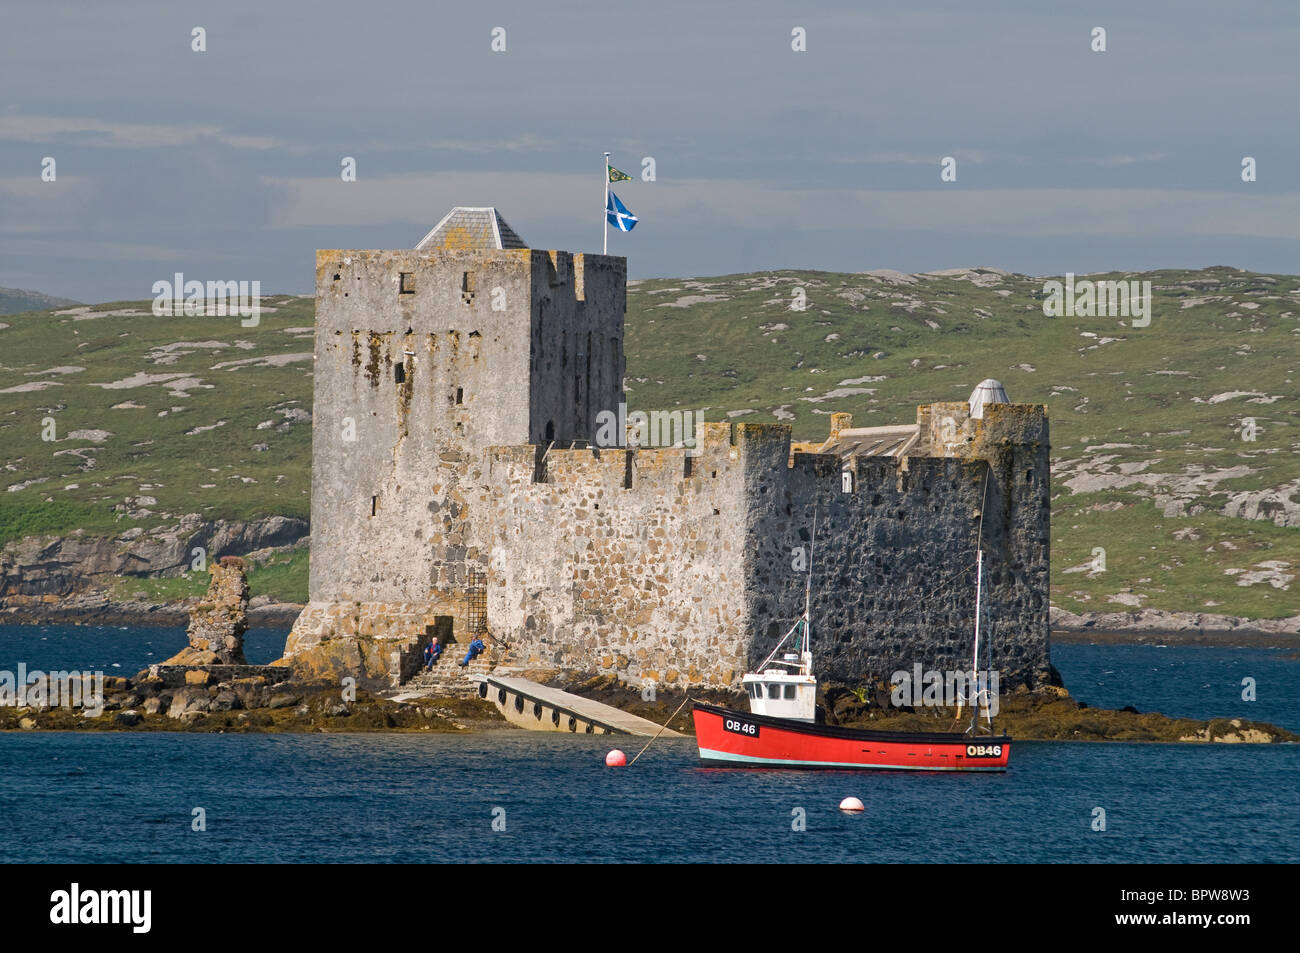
[153,417]
[1147,447]
[157,417]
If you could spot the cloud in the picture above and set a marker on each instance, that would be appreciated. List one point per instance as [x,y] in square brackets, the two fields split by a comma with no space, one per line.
[528,142]
[757,206]
[131,135]
[1120,160]
[974,156]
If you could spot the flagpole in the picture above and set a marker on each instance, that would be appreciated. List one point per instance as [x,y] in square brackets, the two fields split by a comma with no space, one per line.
[604,213]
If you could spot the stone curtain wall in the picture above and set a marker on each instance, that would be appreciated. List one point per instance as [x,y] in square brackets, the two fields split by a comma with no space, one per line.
[894,572]
[643,580]
[686,579]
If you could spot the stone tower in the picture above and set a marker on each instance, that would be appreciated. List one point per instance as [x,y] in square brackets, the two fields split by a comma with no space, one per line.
[424,358]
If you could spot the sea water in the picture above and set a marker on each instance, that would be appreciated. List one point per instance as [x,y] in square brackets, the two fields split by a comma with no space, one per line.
[515,796]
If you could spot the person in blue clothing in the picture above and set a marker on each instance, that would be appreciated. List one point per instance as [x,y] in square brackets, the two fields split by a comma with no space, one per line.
[432,652]
[475,648]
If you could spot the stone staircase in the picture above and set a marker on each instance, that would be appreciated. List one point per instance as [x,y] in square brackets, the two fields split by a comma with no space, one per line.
[448,679]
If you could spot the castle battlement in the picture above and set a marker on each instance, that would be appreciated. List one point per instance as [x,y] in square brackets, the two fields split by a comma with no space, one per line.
[461,388]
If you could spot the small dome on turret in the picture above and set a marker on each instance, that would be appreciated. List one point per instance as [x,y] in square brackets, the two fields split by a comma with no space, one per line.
[987,391]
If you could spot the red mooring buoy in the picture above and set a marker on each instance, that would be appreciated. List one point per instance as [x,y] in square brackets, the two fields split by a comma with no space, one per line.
[615,759]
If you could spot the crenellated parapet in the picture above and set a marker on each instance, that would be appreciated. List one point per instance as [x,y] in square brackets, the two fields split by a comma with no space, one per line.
[471,443]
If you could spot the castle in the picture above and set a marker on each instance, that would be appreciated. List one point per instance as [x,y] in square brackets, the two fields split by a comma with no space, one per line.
[457,489]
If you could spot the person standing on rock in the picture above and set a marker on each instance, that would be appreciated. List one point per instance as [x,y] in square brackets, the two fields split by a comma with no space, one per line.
[432,652]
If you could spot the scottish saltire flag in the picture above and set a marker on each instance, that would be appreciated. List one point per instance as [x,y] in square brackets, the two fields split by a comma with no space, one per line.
[616,176]
[618,215]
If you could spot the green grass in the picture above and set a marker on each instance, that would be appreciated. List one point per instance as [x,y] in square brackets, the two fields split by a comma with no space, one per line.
[1193,562]
[160,589]
[283,578]
[158,449]
[744,349]
[57,517]
[1148,389]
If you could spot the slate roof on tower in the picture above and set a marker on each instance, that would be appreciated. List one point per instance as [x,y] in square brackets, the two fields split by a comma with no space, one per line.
[987,391]
[471,228]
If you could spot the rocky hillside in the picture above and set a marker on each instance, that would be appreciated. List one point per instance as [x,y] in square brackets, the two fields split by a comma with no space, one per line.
[16,300]
[1175,468]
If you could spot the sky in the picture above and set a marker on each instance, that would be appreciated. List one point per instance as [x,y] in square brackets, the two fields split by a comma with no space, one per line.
[226,164]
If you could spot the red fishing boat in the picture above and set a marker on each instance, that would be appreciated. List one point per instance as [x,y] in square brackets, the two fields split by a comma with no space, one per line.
[780,730]
[734,739]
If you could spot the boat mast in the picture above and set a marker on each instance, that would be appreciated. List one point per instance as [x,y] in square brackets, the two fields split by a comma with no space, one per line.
[975,660]
[807,598]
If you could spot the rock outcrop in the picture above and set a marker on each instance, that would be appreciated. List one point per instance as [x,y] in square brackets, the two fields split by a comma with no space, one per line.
[1158,620]
[218,623]
[46,571]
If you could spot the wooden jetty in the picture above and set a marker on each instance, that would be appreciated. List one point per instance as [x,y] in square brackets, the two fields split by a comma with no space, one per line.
[527,704]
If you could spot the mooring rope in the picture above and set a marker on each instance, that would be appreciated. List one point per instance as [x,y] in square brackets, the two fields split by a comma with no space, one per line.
[660,731]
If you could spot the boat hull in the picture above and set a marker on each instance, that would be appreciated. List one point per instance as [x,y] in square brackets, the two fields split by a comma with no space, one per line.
[730,738]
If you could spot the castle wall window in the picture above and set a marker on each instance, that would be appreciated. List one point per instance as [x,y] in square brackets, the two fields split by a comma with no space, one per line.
[399,373]
[374,505]
[460,395]
[467,287]
[406,283]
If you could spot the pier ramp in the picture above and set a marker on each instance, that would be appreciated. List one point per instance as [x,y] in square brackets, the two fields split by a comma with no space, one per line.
[526,704]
